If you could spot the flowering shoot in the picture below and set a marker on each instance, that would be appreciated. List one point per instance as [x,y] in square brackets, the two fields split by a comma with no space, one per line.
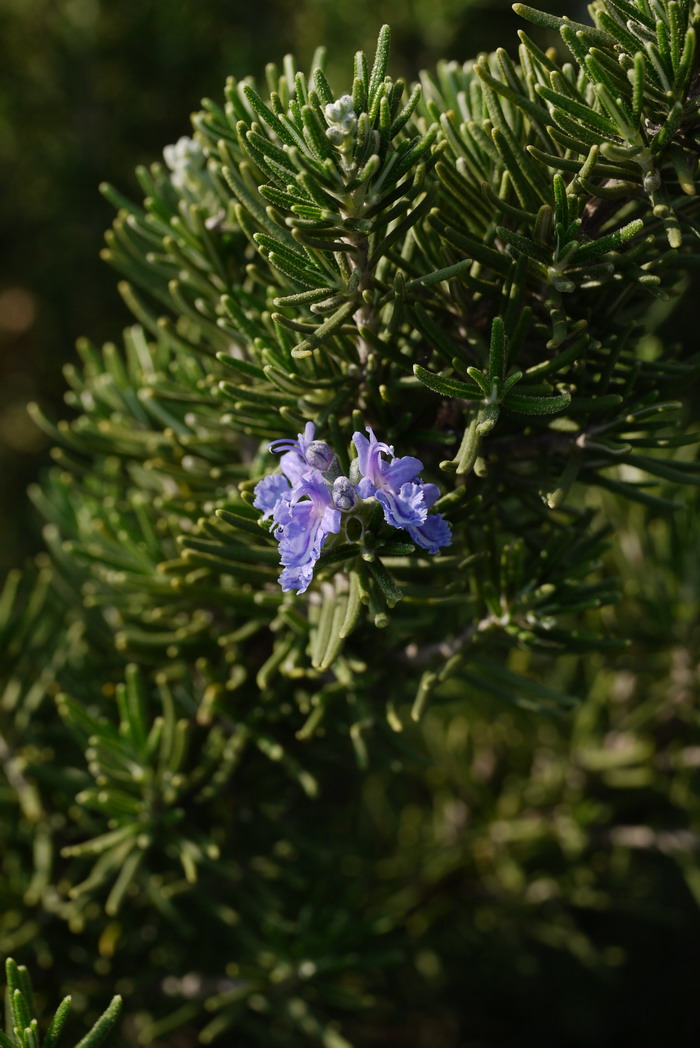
[308,501]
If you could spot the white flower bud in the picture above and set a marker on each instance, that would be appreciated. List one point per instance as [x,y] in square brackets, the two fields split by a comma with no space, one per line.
[344,496]
[652,181]
[341,111]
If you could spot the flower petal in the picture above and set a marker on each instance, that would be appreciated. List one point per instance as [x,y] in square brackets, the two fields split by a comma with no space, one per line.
[432,535]
[405,507]
[269,492]
[401,470]
[293,466]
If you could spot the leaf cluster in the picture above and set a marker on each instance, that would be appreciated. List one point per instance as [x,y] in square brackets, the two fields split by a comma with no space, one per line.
[22,1026]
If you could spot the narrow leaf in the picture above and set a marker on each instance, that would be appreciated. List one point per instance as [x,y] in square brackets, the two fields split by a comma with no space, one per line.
[447,387]
[536,405]
[103,1025]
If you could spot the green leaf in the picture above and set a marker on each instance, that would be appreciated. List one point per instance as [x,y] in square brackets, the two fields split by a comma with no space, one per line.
[326,640]
[25,985]
[324,331]
[520,101]
[57,1023]
[353,607]
[561,359]
[468,451]
[426,687]
[273,122]
[390,591]
[20,1012]
[242,367]
[514,687]
[609,242]
[497,349]
[480,379]
[247,199]
[103,1025]
[579,111]
[316,134]
[526,405]
[438,275]
[548,21]
[525,246]
[407,112]
[401,228]
[381,61]
[447,387]
[291,268]
[437,337]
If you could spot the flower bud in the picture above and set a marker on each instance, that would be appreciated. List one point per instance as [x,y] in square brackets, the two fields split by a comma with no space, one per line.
[652,180]
[319,454]
[344,496]
[341,112]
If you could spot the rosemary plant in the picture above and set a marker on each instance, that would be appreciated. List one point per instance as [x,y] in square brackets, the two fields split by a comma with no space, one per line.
[441,302]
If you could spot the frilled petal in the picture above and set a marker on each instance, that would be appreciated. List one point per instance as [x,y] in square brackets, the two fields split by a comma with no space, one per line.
[282,513]
[431,493]
[405,507]
[432,535]
[305,521]
[269,492]
[297,578]
[298,537]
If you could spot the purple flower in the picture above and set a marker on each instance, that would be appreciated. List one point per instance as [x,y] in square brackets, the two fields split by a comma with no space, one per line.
[306,506]
[376,471]
[397,487]
[300,504]
[404,507]
[435,532]
[302,524]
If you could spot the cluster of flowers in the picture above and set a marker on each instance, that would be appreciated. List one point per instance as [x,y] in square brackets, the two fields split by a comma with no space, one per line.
[189,175]
[185,160]
[309,500]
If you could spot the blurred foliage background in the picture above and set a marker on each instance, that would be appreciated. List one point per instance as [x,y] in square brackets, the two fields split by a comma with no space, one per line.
[558,860]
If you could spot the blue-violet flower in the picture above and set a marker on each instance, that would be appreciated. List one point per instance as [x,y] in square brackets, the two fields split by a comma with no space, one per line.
[302,527]
[307,499]
[397,487]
